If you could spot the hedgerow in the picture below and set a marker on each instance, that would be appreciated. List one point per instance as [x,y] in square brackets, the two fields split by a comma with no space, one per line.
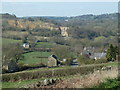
[49,73]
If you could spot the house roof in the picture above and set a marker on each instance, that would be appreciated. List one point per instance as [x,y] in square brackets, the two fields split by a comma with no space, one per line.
[25,43]
[98,55]
[53,56]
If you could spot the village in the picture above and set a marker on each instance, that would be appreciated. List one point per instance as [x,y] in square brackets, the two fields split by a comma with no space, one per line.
[51,60]
[44,56]
[40,52]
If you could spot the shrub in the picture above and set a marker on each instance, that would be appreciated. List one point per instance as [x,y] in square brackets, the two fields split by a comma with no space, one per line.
[100,61]
[4,71]
[85,60]
[68,61]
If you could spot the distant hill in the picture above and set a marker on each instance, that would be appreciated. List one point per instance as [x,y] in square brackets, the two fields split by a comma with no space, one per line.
[83,18]
[12,21]
[84,26]
[77,20]
[8,16]
[95,25]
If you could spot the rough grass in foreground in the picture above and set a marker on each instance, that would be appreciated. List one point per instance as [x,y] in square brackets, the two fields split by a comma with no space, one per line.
[110,83]
[12,77]
[26,82]
[86,81]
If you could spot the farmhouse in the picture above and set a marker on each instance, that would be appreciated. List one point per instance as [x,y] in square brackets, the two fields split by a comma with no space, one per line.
[98,56]
[26,45]
[88,51]
[52,61]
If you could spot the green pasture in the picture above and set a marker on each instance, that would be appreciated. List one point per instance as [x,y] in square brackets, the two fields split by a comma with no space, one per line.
[34,57]
[44,44]
[6,41]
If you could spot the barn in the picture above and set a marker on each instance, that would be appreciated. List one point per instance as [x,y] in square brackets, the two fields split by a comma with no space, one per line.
[52,61]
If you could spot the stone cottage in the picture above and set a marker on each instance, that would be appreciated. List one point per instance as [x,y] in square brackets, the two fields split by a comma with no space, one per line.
[52,61]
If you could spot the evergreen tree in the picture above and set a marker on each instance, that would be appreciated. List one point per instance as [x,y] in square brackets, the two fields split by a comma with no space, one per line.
[111,53]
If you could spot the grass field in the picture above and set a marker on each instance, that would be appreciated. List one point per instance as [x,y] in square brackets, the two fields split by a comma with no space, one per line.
[44,44]
[34,57]
[6,41]
[14,33]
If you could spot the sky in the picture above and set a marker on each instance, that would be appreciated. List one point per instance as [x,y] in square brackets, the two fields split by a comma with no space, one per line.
[21,9]
[59,0]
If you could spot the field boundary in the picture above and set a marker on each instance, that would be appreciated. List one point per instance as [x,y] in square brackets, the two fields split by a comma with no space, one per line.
[20,76]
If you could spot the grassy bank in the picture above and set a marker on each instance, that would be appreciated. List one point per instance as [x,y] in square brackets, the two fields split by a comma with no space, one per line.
[12,77]
[32,76]
[28,82]
[110,83]
[90,79]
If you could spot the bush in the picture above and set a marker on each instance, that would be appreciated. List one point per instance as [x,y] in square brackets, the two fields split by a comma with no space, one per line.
[62,52]
[69,61]
[4,70]
[100,61]
[84,60]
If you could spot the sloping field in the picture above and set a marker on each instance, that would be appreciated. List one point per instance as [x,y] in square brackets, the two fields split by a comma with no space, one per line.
[14,33]
[45,45]
[6,41]
[35,57]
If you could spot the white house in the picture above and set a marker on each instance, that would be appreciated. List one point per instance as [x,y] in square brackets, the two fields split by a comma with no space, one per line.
[26,45]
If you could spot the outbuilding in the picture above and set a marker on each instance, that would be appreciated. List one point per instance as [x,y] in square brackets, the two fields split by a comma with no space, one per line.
[52,61]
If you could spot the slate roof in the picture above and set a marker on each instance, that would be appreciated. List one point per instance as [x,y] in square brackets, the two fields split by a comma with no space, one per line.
[98,55]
